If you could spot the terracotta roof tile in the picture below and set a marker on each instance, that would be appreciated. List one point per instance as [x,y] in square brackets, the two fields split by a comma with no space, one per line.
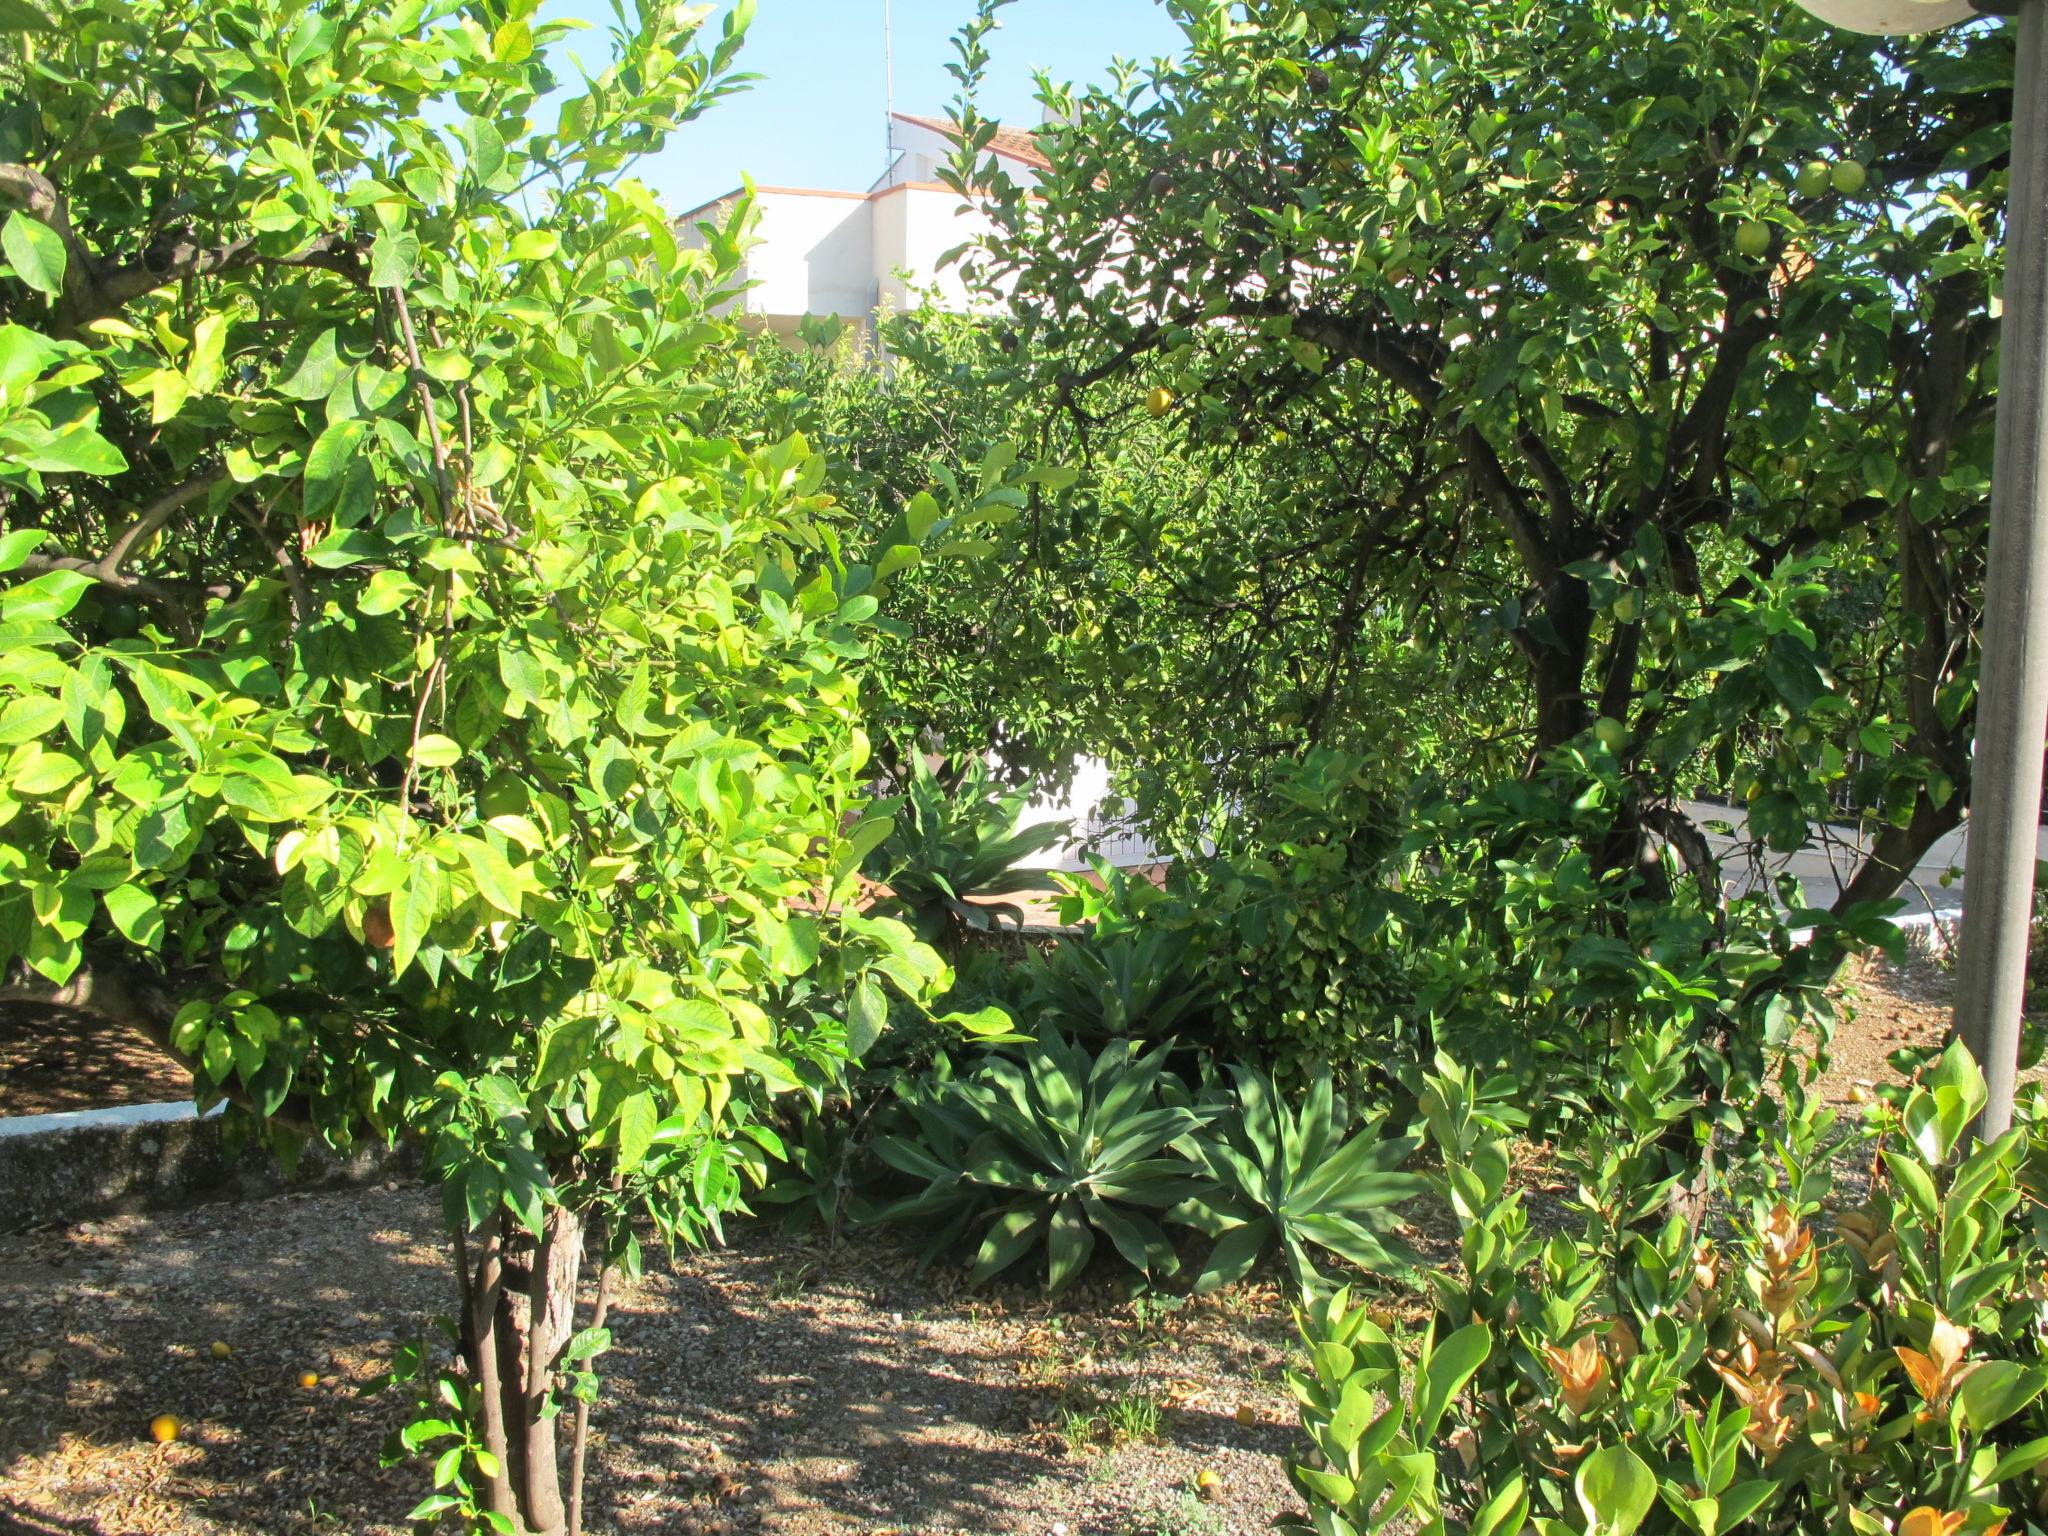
[1016,143]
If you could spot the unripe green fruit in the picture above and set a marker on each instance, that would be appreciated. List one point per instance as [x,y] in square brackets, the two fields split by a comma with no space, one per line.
[1813,179]
[1610,733]
[1848,177]
[1752,239]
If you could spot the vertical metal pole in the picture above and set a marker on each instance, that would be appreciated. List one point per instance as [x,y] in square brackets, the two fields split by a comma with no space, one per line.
[2012,689]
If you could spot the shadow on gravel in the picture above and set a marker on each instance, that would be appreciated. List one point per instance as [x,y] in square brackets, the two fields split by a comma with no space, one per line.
[855,1402]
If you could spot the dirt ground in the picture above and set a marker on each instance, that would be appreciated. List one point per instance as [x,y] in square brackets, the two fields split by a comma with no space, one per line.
[1889,1007]
[53,1059]
[773,1386]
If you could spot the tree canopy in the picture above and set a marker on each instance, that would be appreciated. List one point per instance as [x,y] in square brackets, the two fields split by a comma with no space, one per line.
[1540,366]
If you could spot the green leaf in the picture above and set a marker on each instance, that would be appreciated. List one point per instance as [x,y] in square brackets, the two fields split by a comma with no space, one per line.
[393,256]
[29,719]
[635,1129]
[414,906]
[79,449]
[47,773]
[36,252]
[1451,1365]
[48,596]
[17,545]
[496,880]
[1995,1390]
[867,1015]
[318,371]
[1616,1490]
[432,751]
[329,462]
[137,913]
[535,245]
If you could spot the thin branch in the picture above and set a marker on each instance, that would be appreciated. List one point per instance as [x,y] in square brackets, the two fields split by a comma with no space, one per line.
[426,398]
[152,517]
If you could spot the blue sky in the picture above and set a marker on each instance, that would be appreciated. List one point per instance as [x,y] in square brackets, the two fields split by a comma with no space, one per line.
[816,118]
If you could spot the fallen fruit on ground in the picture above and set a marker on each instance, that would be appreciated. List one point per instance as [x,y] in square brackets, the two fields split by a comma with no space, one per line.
[220,1349]
[309,1379]
[1208,1482]
[1247,1416]
[163,1429]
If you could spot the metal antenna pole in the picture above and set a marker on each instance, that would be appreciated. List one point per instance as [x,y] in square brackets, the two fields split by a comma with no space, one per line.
[2012,689]
[888,86]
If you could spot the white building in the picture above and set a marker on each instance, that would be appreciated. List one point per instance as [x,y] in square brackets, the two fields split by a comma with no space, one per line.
[850,254]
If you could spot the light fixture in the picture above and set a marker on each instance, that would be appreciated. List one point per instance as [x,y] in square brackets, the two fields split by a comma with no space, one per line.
[1894,15]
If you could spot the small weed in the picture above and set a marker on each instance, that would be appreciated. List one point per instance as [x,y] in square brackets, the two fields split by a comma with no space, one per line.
[1185,1516]
[1133,1416]
[1079,1428]
[793,1281]
[1123,1420]
[1152,1310]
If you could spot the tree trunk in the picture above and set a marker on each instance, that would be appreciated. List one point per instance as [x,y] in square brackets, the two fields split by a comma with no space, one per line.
[519,1312]
[551,1320]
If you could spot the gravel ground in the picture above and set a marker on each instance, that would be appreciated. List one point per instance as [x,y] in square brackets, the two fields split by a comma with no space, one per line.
[1890,1005]
[772,1386]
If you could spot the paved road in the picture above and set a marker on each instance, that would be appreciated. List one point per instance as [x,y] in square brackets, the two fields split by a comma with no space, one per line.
[1823,870]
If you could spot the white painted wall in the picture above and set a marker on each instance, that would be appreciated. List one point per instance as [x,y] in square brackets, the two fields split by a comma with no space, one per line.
[812,256]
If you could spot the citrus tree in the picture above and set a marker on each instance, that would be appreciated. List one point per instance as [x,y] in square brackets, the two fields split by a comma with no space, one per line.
[409,715]
[1631,368]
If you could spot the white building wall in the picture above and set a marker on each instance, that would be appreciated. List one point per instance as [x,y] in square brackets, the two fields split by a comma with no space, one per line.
[812,256]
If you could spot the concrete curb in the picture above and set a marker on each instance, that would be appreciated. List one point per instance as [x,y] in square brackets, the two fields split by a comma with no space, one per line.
[92,1163]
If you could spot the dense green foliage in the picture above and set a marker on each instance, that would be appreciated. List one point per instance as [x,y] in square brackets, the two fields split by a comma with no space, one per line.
[438,654]
[953,846]
[1889,1380]
[1470,273]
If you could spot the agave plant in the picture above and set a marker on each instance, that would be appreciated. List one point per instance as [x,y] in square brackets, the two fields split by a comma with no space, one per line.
[1297,1180]
[1062,1147]
[815,1184]
[949,850]
[1133,981]
[928,1131]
